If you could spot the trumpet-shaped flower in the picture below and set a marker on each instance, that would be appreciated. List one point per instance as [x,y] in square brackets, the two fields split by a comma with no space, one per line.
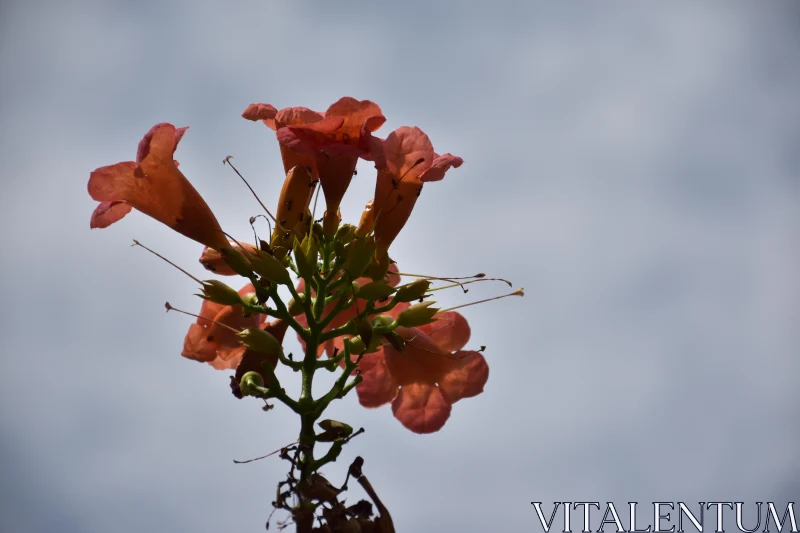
[336,142]
[210,341]
[424,379]
[153,185]
[405,161]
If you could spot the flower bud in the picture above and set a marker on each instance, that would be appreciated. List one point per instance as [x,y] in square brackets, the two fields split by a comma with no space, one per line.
[305,256]
[377,290]
[298,188]
[333,430]
[296,307]
[367,222]
[345,233]
[270,268]
[357,346]
[412,291]
[259,340]
[382,322]
[219,293]
[417,315]
[378,267]
[236,261]
[359,254]
[250,383]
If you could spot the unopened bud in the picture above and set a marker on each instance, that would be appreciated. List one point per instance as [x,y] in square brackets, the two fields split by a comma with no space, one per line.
[259,340]
[378,268]
[417,315]
[219,293]
[333,430]
[345,233]
[412,291]
[305,256]
[367,222]
[382,322]
[270,268]
[359,255]
[236,261]
[357,345]
[296,306]
[377,290]
[250,383]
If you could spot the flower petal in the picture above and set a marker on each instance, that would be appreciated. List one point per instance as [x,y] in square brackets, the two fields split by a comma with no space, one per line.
[421,407]
[467,378]
[378,386]
[107,213]
[441,164]
[265,112]
[451,332]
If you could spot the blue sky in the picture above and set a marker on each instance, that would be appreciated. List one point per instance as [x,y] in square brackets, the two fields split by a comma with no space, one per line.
[633,166]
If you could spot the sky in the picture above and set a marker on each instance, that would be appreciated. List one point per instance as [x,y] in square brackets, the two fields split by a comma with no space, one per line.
[633,166]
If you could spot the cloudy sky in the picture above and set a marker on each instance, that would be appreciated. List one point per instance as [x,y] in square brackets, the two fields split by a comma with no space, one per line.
[633,166]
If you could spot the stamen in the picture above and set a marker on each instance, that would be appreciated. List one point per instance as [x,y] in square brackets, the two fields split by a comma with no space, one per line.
[265,456]
[228,161]
[518,292]
[137,243]
[479,275]
[252,225]
[468,282]
[170,308]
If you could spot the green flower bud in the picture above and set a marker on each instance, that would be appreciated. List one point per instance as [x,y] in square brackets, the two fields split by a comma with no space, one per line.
[296,307]
[382,322]
[237,261]
[417,315]
[333,430]
[259,340]
[219,293]
[378,268]
[359,255]
[345,233]
[250,383]
[412,291]
[270,268]
[357,346]
[305,256]
[377,290]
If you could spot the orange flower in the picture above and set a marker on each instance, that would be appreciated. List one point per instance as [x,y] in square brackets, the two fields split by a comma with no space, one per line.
[336,142]
[431,375]
[405,161]
[288,116]
[209,342]
[154,185]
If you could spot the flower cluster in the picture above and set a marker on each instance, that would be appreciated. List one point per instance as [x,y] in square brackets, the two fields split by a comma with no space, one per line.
[347,299]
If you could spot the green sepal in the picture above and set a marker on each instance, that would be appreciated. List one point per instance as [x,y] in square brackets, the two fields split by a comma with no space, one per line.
[270,268]
[333,430]
[219,293]
[237,261]
[377,290]
[305,256]
[259,340]
[359,255]
[412,291]
[417,315]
